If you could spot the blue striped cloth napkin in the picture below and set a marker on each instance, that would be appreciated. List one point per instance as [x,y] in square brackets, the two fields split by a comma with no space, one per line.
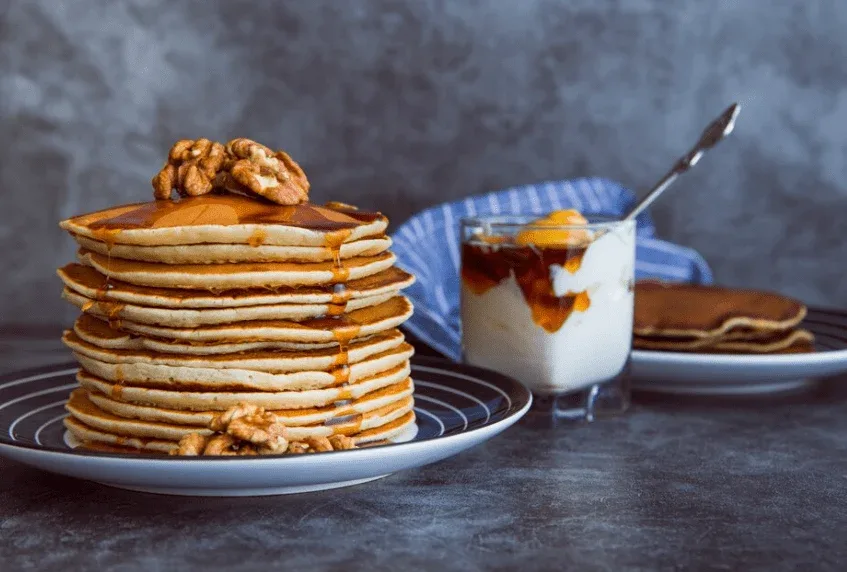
[427,245]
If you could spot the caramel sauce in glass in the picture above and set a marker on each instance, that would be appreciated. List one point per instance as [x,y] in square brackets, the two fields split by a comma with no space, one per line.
[484,266]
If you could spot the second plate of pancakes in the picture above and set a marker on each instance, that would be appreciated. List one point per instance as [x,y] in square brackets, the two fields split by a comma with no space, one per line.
[693,373]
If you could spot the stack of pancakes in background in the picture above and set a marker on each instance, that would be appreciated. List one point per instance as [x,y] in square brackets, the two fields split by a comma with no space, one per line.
[195,305]
[712,319]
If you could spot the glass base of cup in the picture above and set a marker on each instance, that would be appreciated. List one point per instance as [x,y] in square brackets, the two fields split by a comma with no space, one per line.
[586,405]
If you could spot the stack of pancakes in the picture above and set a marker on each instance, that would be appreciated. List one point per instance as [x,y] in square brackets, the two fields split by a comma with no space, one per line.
[713,319]
[195,305]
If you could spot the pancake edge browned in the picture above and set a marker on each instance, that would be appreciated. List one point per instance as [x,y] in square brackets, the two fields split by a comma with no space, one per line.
[727,324]
[795,341]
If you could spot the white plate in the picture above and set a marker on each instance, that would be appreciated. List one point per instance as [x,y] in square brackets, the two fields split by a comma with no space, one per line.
[725,374]
[457,407]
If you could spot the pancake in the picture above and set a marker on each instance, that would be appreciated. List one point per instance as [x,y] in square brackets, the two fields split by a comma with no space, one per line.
[223,253]
[210,400]
[688,310]
[98,332]
[793,341]
[190,317]
[84,410]
[86,434]
[227,372]
[238,274]
[369,321]
[290,417]
[221,400]
[274,361]
[90,283]
[225,219]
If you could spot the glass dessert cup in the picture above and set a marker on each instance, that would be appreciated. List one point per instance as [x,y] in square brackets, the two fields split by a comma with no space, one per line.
[551,305]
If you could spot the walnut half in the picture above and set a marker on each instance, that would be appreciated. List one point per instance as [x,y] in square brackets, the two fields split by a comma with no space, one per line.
[273,175]
[191,168]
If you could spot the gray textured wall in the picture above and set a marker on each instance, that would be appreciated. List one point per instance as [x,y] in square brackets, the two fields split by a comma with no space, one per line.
[400,104]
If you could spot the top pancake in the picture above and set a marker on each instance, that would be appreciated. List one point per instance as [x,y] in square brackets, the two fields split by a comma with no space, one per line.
[688,310]
[225,219]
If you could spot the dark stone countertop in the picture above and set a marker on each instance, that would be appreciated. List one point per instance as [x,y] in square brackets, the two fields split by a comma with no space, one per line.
[674,485]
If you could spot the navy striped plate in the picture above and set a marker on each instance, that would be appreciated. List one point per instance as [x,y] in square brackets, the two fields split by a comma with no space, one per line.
[457,407]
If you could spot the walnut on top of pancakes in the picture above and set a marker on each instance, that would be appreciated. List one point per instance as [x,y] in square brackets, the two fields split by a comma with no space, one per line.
[242,166]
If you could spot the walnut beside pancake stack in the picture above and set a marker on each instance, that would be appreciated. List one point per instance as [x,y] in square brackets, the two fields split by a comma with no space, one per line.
[714,319]
[230,290]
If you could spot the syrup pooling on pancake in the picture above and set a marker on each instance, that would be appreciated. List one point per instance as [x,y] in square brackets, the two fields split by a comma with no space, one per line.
[218,299]
[225,210]
[222,219]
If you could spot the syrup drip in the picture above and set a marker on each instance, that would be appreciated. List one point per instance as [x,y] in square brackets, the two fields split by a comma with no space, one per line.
[118,389]
[345,393]
[334,240]
[340,297]
[338,306]
[257,238]
[342,375]
[344,335]
[335,310]
[109,237]
[112,315]
[102,292]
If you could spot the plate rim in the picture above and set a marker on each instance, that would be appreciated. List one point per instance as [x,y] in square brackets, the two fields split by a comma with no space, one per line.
[690,358]
[135,458]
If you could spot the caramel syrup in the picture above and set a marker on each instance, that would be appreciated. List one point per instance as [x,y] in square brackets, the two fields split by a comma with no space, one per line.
[257,238]
[485,266]
[112,315]
[108,236]
[345,393]
[226,210]
[343,330]
[344,335]
[340,297]
[342,377]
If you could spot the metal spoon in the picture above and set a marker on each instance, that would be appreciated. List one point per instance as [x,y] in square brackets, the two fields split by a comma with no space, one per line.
[717,130]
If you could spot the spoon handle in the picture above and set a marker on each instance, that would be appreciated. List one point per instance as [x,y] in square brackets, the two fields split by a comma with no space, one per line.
[714,132]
